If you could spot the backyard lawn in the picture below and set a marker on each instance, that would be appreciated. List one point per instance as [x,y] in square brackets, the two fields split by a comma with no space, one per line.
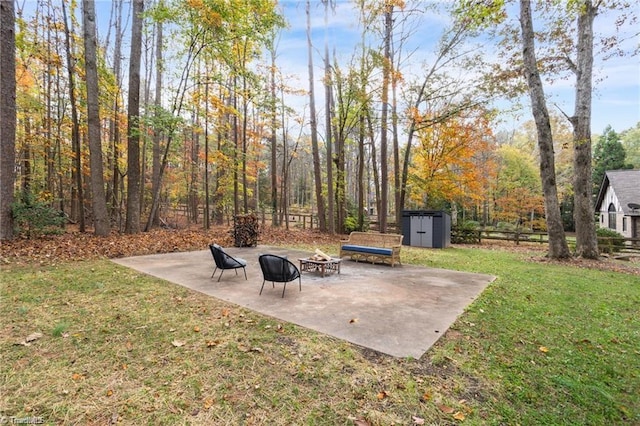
[90,342]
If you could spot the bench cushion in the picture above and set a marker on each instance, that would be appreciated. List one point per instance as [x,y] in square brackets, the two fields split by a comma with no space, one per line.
[366,249]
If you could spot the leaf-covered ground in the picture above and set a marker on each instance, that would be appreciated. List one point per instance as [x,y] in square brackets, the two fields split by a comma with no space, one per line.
[72,246]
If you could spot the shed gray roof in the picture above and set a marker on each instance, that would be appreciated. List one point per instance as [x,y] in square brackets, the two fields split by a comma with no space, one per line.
[626,185]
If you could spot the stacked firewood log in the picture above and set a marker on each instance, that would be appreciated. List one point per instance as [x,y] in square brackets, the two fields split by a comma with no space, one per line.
[320,256]
[246,230]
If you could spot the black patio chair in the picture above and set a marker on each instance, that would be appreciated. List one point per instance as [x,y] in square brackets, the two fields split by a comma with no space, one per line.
[225,261]
[278,269]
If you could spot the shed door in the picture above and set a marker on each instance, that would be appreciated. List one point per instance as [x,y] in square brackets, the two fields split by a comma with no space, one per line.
[422,231]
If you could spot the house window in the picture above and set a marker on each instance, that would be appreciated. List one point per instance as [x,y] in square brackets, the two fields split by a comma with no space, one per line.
[624,224]
[612,216]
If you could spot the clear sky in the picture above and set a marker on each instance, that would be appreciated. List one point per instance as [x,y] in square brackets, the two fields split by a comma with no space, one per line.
[616,95]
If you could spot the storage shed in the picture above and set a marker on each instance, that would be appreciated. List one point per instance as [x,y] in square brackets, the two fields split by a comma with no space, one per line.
[426,228]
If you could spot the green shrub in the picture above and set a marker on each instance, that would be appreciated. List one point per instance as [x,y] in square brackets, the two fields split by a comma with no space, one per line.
[33,217]
[351,224]
[465,233]
[609,241]
[471,224]
[506,226]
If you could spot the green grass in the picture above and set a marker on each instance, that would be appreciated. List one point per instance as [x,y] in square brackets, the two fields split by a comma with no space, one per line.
[544,344]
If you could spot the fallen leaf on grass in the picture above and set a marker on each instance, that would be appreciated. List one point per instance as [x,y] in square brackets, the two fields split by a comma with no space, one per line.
[361,421]
[208,403]
[246,349]
[382,395]
[446,409]
[459,416]
[177,343]
[543,349]
[196,329]
[417,420]
[425,397]
[109,392]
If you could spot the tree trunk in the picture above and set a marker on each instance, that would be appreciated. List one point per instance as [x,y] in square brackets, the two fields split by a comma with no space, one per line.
[331,202]
[236,183]
[583,213]
[386,75]
[374,160]
[274,145]
[113,195]
[284,202]
[397,182]
[49,157]
[206,221]
[558,248]
[132,225]
[322,221]
[77,191]
[360,176]
[245,125]
[218,196]
[25,160]
[194,166]
[157,134]
[7,117]
[101,221]
[362,134]
[341,175]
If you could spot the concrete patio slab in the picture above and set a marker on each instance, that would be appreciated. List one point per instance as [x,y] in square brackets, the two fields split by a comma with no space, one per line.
[400,311]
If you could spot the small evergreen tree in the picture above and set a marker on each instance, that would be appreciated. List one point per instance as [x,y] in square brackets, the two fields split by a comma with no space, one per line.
[34,218]
[609,154]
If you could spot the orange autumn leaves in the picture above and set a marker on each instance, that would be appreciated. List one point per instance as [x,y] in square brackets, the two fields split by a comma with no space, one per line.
[452,161]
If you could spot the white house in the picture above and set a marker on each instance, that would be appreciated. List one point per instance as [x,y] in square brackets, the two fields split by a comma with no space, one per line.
[618,202]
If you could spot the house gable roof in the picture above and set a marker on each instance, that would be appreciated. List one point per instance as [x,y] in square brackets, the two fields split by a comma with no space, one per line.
[626,184]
